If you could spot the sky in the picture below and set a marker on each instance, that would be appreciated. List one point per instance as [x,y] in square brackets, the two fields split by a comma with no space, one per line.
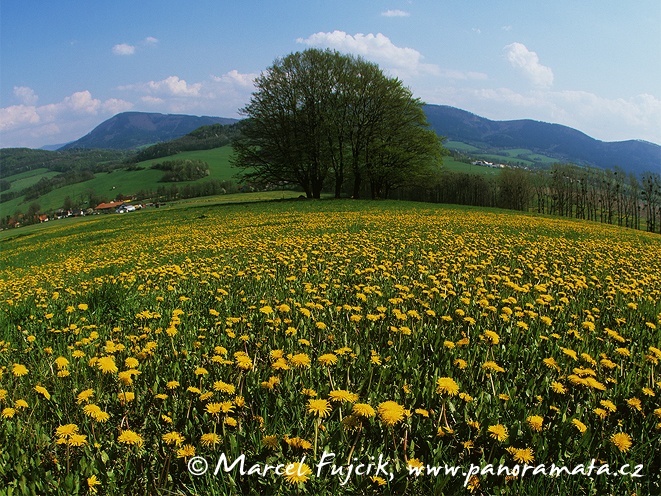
[66,66]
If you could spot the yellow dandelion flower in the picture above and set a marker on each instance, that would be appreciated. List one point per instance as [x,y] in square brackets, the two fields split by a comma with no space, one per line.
[580,426]
[535,422]
[107,364]
[321,408]
[19,370]
[446,385]
[130,437]
[363,410]
[498,432]
[622,441]
[173,438]
[186,451]
[297,472]
[42,390]
[390,412]
[210,439]
[342,395]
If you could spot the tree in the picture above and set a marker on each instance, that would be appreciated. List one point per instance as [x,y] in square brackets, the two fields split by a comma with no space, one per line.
[320,115]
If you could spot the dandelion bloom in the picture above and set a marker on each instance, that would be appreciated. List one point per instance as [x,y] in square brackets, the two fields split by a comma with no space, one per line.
[92,482]
[107,364]
[579,425]
[19,370]
[343,395]
[173,438]
[321,408]
[558,387]
[210,439]
[130,437]
[498,432]
[491,337]
[77,440]
[223,387]
[446,385]
[8,412]
[300,360]
[83,396]
[297,472]
[491,365]
[622,441]
[523,455]
[535,422]
[42,390]
[213,408]
[186,451]
[327,359]
[390,412]
[635,404]
[363,410]
[95,412]
[66,430]
[270,442]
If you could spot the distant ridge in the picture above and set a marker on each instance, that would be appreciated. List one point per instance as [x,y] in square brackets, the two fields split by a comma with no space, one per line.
[130,130]
[553,140]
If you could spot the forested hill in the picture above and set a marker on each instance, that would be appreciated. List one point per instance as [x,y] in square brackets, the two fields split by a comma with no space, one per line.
[554,140]
[130,130]
[204,138]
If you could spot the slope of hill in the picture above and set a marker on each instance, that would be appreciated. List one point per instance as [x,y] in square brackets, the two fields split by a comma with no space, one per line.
[135,129]
[554,140]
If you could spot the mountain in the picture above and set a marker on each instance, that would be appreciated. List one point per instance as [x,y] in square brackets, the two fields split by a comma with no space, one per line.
[135,129]
[553,140]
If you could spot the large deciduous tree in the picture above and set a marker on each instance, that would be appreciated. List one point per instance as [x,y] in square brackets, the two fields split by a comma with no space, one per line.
[319,115]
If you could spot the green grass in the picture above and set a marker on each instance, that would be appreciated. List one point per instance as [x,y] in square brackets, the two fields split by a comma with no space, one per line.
[391,301]
[217,158]
[110,184]
[455,166]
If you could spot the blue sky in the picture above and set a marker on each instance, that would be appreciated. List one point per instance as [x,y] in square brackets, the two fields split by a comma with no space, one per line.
[66,66]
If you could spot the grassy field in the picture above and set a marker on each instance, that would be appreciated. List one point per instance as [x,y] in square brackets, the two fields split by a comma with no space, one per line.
[521,155]
[137,348]
[110,184]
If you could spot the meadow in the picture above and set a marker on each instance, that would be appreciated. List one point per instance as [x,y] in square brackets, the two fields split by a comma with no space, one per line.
[136,348]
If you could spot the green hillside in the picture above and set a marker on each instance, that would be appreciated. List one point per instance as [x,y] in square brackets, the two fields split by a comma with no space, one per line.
[111,184]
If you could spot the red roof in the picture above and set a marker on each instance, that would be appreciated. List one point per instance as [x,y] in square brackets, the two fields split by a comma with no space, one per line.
[103,206]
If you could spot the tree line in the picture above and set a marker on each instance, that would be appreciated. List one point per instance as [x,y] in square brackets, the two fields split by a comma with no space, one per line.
[608,196]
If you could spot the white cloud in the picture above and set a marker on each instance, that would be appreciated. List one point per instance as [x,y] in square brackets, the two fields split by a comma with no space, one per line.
[379,48]
[174,86]
[150,40]
[73,116]
[395,13]
[123,49]
[527,62]
[26,95]
[235,77]
[599,117]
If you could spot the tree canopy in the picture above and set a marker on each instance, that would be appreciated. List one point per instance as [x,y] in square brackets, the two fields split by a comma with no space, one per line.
[319,116]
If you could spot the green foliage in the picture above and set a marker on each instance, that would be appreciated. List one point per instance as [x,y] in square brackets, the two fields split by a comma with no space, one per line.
[203,138]
[182,170]
[322,116]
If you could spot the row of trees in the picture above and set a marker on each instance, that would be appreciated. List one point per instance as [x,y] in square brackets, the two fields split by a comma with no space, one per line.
[320,115]
[608,196]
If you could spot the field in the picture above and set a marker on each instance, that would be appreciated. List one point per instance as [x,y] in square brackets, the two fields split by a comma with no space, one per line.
[506,155]
[137,349]
[127,182]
